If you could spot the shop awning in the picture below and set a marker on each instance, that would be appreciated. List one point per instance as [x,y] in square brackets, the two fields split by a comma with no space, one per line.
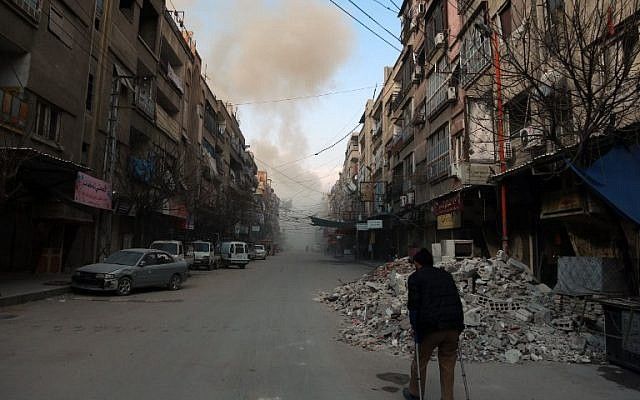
[331,224]
[616,177]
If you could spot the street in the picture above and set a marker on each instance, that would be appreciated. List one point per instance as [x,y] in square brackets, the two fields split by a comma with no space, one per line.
[240,334]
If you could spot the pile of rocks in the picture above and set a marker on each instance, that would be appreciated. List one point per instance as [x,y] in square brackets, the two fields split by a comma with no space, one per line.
[508,316]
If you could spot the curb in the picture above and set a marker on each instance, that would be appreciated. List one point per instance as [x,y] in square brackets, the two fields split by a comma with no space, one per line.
[28,297]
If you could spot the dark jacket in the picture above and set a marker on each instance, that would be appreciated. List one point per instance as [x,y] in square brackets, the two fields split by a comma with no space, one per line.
[434,301]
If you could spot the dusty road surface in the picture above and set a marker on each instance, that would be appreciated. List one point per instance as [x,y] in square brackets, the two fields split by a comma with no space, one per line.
[240,335]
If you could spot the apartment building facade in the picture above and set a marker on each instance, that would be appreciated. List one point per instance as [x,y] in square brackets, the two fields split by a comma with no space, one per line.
[110,134]
[469,151]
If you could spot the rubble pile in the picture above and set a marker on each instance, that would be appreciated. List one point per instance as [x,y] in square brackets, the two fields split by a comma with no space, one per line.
[508,317]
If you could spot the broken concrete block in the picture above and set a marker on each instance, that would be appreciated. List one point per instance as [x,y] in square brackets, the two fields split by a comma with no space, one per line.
[473,317]
[512,356]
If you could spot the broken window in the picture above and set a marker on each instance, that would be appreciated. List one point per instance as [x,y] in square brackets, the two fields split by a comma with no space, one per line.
[48,122]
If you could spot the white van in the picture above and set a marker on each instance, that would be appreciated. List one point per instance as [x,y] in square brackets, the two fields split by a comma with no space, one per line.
[234,253]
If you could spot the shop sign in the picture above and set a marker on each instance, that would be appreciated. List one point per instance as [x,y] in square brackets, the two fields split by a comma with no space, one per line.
[374,224]
[255,228]
[92,192]
[174,208]
[448,205]
[362,226]
[452,220]
[562,204]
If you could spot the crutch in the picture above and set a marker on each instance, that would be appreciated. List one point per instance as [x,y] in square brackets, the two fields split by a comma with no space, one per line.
[464,375]
[419,368]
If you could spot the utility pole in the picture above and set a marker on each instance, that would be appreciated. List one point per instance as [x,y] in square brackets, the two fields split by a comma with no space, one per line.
[109,163]
[501,139]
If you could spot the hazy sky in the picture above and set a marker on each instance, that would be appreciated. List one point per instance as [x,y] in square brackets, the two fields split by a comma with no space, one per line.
[265,50]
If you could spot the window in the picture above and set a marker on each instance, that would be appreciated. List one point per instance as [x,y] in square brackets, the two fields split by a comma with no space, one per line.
[209,118]
[438,159]
[475,53]
[150,259]
[506,21]
[437,85]
[164,259]
[436,22]
[89,99]
[126,7]
[48,122]
[59,24]
[517,112]
[98,16]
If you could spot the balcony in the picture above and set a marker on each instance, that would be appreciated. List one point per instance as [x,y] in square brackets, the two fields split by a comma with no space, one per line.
[144,100]
[167,123]
[376,132]
[14,111]
[31,8]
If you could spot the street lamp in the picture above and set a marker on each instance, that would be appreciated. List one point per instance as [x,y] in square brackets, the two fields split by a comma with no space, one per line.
[487,32]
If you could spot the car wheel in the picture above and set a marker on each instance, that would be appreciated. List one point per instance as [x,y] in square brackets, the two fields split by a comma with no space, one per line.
[243,266]
[124,286]
[175,283]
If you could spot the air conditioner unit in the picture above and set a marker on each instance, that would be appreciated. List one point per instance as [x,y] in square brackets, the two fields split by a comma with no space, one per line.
[416,76]
[452,93]
[439,39]
[411,198]
[531,137]
[508,151]
[457,248]
[421,8]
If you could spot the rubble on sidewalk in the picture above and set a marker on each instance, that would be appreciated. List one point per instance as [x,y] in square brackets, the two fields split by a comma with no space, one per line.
[509,317]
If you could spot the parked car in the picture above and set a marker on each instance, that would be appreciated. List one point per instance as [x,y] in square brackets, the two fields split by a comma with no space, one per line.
[128,269]
[175,248]
[234,253]
[205,255]
[260,252]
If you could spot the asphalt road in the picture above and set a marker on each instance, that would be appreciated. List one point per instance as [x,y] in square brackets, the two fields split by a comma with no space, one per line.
[253,334]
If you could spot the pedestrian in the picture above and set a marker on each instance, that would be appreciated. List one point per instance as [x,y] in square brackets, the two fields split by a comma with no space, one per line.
[436,316]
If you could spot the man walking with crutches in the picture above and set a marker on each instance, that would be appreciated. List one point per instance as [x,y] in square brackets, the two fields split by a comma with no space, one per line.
[437,319]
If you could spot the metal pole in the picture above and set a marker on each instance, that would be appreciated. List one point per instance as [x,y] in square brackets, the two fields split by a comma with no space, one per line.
[464,374]
[501,139]
[108,167]
[419,369]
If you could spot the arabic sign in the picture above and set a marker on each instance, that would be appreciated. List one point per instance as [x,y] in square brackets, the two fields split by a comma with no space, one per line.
[452,220]
[374,224]
[448,205]
[92,192]
[362,226]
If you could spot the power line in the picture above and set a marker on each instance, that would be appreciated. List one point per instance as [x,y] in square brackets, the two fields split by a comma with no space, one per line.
[322,150]
[364,25]
[287,176]
[312,96]
[394,3]
[374,21]
[385,6]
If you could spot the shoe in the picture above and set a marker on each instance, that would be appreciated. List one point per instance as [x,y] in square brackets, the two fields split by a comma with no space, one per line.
[407,395]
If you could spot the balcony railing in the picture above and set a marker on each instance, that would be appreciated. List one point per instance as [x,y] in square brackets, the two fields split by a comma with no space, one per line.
[32,8]
[167,123]
[144,101]
[14,111]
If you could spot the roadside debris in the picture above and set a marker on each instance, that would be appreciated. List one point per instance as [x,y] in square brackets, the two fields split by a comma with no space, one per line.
[508,316]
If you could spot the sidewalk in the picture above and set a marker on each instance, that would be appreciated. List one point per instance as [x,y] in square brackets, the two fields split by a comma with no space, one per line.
[22,288]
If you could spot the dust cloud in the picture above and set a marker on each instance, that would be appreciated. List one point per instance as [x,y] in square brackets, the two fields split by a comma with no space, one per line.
[275,49]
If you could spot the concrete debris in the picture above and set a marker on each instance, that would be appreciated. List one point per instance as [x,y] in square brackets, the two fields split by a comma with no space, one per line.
[508,316]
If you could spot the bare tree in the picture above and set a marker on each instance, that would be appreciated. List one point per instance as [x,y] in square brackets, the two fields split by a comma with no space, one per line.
[569,71]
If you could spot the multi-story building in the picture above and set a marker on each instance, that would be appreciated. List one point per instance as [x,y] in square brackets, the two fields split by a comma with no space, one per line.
[485,137]
[42,129]
[110,137]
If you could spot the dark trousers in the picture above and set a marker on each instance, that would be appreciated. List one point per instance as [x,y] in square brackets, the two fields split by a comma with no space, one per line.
[447,344]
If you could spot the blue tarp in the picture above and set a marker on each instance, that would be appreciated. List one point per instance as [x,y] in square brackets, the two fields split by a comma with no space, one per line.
[616,177]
